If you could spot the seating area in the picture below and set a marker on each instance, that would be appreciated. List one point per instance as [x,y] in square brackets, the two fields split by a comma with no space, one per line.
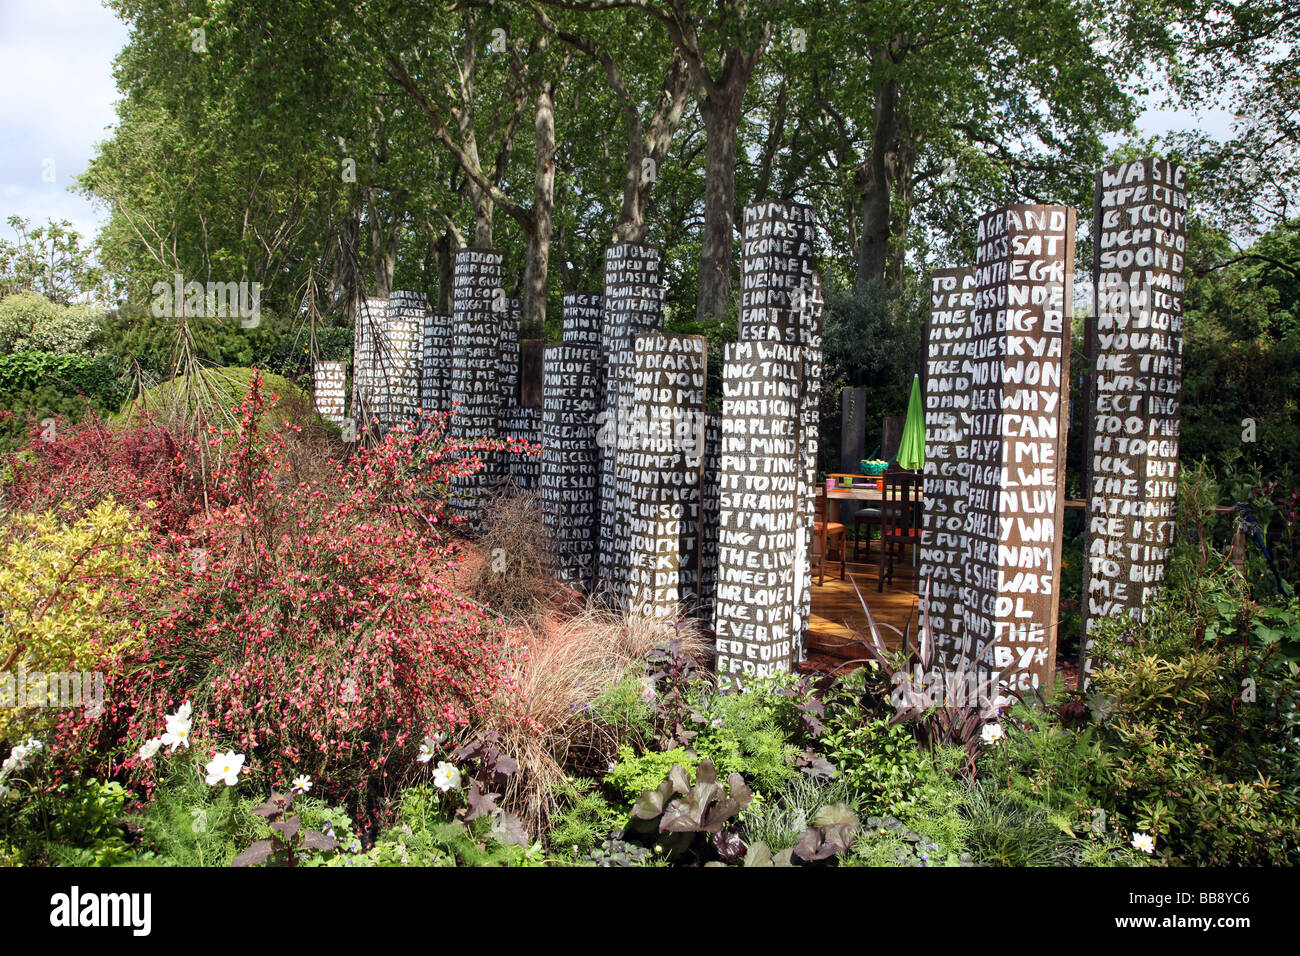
[883,567]
[829,537]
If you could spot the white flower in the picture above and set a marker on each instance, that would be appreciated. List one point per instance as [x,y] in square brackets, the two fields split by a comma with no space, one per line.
[427,748]
[224,768]
[24,752]
[446,776]
[302,783]
[178,728]
[1144,842]
[991,733]
[21,756]
[150,748]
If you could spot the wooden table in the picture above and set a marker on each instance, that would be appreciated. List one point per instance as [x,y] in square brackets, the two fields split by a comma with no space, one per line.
[858,492]
[867,491]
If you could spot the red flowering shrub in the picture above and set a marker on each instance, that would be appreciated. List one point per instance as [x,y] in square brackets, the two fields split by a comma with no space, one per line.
[309,623]
[76,467]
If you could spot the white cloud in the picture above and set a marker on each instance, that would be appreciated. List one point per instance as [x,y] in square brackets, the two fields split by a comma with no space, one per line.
[56,68]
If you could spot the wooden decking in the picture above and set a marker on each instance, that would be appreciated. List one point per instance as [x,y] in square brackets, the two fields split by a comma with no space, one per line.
[837,615]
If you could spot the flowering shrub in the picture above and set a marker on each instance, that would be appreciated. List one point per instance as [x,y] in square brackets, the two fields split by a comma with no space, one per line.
[69,593]
[308,621]
[144,468]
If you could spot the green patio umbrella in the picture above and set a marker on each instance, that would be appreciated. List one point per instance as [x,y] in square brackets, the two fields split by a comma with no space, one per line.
[911,447]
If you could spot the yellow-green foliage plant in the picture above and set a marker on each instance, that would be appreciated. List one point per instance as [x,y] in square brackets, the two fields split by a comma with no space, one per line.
[66,590]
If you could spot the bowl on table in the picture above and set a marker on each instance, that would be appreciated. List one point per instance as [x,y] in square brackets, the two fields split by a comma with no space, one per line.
[873,466]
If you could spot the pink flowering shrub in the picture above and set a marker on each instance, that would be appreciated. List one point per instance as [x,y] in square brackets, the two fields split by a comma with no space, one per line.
[73,468]
[308,619]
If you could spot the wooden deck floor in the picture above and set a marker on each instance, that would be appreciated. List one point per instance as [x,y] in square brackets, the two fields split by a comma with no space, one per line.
[837,615]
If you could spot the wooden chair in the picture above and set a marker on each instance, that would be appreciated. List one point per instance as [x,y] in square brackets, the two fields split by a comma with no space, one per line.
[864,516]
[826,533]
[900,524]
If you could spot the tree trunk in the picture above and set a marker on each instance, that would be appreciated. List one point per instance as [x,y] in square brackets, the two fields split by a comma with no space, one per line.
[720,110]
[383,248]
[483,205]
[651,144]
[539,253]
[775,134]
[479,198]
[385,263]
[445,248]
[875,176]
[872,180]
[903,192]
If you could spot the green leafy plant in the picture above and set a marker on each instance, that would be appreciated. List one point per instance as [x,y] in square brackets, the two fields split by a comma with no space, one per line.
[744,733]
[31,322]
[616,851]
[635,773]
[834,830]
[681,811]
[187,823]
[586,819]
[71,593]
[35,386]
[288,843]
[77,823]
[1006,832]
[780,820]
[625,709]
[1186,737]
[887,841]
[426,834]
[879,761]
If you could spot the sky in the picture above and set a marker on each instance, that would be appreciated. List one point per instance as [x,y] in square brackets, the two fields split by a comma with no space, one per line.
[56,68]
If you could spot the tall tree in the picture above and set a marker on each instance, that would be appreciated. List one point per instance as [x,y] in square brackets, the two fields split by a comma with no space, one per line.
[50,260]
[1243,56]
[530,79]
[648,138]
[938,106]
[722,43]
